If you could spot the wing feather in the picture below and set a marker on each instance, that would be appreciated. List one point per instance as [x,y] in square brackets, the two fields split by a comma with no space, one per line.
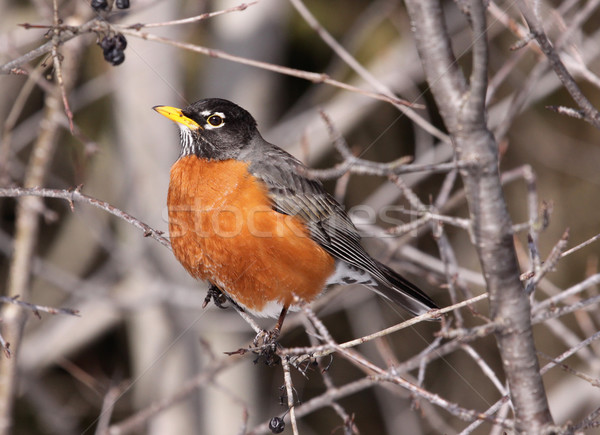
[292,193]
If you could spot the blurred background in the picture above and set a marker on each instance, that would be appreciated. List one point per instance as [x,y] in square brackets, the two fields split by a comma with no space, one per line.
[142,335]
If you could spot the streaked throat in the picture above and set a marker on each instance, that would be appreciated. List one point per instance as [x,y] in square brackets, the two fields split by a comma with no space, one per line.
[188,141]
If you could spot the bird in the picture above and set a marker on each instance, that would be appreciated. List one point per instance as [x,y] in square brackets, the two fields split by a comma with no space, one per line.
[244,216]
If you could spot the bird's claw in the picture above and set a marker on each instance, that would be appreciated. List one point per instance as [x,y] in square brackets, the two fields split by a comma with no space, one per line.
[266,345]
[217,296]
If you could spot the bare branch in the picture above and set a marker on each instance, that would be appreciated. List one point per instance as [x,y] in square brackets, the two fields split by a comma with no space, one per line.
[195,19]
[65,34]
[139,420]
[581,245]
[289,389]
[104,266]
[547,304]
[76,196]
[550,263]
[443,74]
[56,57]
[324,350]
[35,308]
[474,109]
[306,75]
[568,111]
[492,228]
[535,27]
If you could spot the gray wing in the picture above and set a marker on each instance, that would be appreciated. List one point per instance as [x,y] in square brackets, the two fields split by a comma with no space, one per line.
[329,225]
[294,194]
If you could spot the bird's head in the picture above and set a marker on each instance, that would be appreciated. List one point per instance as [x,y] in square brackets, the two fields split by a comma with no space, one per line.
[213,128]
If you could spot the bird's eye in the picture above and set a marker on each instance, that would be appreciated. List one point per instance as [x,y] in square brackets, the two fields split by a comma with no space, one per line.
[215,120]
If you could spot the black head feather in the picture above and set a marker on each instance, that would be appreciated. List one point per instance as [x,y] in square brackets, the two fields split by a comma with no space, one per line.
[225,130]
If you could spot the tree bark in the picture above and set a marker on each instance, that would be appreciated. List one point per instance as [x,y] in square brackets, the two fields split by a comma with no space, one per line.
[462,106]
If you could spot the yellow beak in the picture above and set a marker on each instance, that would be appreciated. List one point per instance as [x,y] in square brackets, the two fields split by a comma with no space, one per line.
[175,114]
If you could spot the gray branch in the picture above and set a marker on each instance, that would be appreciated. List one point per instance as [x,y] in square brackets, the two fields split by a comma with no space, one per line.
[590,113]
[462,107]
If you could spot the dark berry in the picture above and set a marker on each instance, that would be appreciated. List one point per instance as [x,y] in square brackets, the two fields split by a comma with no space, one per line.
[107,43]
[114,56]
[120,41]
[122,4]
[276,425]
[99,5]
[117,57]
[107,55]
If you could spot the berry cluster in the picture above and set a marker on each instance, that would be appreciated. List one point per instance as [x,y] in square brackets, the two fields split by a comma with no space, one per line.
[113,48]
[102,5]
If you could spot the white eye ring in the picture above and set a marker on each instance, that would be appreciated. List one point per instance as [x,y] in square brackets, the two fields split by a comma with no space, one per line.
[216,120]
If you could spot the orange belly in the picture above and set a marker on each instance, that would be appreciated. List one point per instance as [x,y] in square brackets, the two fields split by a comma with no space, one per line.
[223,230]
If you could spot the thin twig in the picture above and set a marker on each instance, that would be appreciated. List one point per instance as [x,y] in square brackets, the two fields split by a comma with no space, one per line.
[591,114]
[26,238]
[485,368]
[356,165]
[550,263]
[568,111]
[306,75]
[344,54]
[453,408]
[589,422]
[108,404]
[549,303]
[581,245]
[139,419]
[559,359]
[37,308]
[551,313]
[195,19]
[324,350]
[289,389]
[56,57]
[488,413]
[76,196]
[66,33]
[323,400]
[327,379]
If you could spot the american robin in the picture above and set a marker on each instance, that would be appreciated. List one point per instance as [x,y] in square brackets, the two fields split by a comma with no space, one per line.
[243,216]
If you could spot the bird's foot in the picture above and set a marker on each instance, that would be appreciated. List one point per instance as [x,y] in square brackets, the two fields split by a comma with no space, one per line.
[217,296]
[265,346]
[266,338]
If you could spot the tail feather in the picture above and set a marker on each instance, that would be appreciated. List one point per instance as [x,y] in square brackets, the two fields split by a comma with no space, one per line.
[385,282]
[402,292]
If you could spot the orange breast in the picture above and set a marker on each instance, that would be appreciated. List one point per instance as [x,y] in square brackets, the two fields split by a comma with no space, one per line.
[223,230]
